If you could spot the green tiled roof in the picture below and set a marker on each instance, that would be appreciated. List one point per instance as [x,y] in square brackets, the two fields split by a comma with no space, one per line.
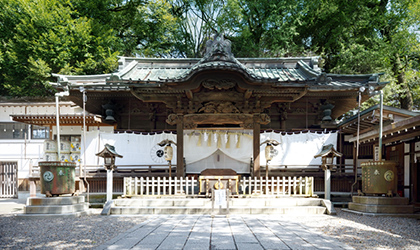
[156,72]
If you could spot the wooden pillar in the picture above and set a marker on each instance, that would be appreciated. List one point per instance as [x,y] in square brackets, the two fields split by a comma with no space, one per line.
[414,182]
[256,148]
[355,159]
[180,147]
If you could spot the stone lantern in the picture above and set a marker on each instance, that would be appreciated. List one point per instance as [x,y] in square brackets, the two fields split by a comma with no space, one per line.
[109,155]
[328,153]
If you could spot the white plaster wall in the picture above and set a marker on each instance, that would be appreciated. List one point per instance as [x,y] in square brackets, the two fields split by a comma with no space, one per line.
[25,153]
[77,130]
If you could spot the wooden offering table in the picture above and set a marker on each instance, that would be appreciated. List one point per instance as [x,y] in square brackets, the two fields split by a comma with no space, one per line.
[218,179]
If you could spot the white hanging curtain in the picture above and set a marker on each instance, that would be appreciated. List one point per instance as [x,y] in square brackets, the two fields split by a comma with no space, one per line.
[297,149]
[136,149]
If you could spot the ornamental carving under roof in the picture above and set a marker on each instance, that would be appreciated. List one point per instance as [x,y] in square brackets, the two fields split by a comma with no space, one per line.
[219,107]
[218,84]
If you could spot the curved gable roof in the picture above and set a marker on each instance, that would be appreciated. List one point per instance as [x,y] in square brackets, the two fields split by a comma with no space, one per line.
[275,72]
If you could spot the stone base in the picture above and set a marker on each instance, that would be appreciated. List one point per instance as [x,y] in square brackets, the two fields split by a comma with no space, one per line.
[386,205]
[65,206]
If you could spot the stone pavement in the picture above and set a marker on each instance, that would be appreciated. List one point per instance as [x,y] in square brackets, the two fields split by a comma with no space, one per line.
[8,206]
[236,232]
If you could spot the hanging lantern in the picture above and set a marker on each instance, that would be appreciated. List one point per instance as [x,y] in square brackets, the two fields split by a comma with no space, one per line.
[168,152]
[270,151]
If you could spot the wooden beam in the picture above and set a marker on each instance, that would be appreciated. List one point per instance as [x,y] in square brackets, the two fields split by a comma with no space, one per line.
[399,137]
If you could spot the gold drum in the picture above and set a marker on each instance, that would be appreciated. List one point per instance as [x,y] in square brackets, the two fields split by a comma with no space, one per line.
[379,177]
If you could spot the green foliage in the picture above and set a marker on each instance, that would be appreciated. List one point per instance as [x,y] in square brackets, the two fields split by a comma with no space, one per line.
[144,28]
[43,37]
[265,28]
[366,36]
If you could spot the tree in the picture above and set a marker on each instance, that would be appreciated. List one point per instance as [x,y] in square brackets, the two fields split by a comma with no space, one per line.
[141,27]
[401,18]
[365,36]
[264,28]
[197,21]
[84,36]
[43,37]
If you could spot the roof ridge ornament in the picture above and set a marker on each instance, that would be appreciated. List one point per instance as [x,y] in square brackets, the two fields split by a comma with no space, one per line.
[218,49]
[323,78]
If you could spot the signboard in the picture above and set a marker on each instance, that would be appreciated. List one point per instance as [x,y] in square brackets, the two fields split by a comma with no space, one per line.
[375,152]
[220,198]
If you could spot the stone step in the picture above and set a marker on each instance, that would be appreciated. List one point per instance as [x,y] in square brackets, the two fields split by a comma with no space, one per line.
[387,209]
[50,216]
[56,209]
[207,210]
[283,202]
[206,202]
[372,200]
[161,202]
[43,201]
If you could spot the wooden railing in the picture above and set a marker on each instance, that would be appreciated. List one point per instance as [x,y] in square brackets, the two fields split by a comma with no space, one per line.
[290,186]
[123,170]
[342,178]
[305,170]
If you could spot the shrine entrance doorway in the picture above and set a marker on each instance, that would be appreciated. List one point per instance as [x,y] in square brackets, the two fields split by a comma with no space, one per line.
[219,160]
[218,149]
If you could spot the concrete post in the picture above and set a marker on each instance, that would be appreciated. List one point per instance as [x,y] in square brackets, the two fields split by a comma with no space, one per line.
[109,180]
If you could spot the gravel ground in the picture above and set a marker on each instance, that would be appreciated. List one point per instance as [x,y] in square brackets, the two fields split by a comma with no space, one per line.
[360,232]
[368,232]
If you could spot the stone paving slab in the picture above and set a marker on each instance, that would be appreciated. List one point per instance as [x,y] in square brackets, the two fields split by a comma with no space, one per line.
[236,232]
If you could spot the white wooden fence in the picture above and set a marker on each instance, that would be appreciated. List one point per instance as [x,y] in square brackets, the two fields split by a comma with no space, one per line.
[278,185]
[288,186]
[159,186]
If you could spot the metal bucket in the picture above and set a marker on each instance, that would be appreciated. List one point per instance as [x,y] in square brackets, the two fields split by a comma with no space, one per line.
[57,177]
[379,177]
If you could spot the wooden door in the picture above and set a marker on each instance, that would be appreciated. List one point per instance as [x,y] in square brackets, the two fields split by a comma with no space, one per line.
[415,181]
[8,180]
[396,153]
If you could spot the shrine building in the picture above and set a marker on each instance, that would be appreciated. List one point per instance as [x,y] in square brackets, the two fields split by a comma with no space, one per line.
[216,98]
